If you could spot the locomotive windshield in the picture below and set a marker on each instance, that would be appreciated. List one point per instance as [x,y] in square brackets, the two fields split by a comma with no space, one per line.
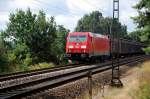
[77,38]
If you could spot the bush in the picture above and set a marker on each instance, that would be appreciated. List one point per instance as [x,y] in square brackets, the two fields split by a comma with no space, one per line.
[41,65]
[3,58]
[28,60]
[11,57]
[46,65]
[147,50]
[23,67]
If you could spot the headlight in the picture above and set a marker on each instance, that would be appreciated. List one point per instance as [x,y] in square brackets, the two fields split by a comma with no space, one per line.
[83,46]
[70,46]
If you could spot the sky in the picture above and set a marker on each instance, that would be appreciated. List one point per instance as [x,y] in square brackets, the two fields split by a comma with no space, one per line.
[68,12]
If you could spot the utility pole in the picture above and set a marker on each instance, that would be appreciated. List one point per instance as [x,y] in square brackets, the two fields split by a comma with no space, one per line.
[115,81]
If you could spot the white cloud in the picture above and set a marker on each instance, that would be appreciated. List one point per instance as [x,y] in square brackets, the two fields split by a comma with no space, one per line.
[126,12]
[80,7]
[86,6]
[68,21]
[3,20]
[68,12]
[126,16]
[23,4]
[3,17]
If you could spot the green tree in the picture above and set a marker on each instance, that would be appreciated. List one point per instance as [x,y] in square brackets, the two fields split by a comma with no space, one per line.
[95,22]
[31,36]
[135,35]
[143,21]
[18,33]
[90,22]
[42,38]
[3,55]
[59,45]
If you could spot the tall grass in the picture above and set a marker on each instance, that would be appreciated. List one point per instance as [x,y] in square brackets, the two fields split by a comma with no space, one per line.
[41,66]
[20,67]
[144,89]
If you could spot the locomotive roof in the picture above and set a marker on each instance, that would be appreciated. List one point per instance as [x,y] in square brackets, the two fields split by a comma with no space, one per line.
[98,35]
[91,34]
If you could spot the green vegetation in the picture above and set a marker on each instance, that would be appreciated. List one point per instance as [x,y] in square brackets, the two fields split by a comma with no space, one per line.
[144,92]
[40,66]
[135,35]
[144,83]
[31,39]
[96,23]
[3,56]
[143,22]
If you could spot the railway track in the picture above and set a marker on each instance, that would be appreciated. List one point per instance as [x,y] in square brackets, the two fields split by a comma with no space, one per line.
[35,72]
[21,78]
[29,88]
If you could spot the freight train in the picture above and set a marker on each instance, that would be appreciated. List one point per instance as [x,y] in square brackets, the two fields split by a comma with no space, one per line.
[90,46]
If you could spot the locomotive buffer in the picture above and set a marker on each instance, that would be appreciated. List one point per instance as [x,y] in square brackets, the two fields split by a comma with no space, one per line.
[115,81]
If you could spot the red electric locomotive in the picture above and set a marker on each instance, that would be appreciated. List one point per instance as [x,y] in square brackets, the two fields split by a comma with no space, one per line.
[87,45]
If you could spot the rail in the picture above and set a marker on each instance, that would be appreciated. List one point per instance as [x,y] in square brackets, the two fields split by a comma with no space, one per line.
[35,72]
[30,88]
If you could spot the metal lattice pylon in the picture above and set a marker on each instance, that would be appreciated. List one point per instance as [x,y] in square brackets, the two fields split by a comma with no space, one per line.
[115,81]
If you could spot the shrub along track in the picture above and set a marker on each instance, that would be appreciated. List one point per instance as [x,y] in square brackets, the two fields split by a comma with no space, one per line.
[29,88]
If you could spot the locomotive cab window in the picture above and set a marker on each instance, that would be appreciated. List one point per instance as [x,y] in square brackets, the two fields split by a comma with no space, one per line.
[82,38]
[72,38]
[79,38]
